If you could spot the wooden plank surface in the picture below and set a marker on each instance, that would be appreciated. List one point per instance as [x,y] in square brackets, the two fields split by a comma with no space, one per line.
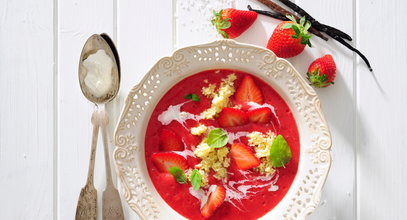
[77,20]
[142,41]
[381,109]
[26,109]
[338,199]
[45,120]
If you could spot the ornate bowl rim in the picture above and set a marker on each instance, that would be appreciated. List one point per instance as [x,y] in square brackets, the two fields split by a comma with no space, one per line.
[315,139]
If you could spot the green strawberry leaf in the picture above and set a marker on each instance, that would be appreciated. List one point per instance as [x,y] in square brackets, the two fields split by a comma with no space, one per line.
[317,79]
[307,26]
[287,26]
[195,179]
[302,21]
[225,24]
[280,152]
[221,23]
[296,29]
[178,174]
[224,34]
[300,29]
[193,97]
[292,18]
[217,138]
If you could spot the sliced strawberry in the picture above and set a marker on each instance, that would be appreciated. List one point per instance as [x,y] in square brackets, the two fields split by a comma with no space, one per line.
[215,199]
[163,161]
[243,156]
[230,117]
[169,141]
[260,115]
[248,91]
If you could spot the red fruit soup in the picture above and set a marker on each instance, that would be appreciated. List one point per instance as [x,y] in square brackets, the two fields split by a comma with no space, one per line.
[191,109]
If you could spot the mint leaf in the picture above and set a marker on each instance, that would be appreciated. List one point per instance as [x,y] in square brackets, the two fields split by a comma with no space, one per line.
[178,174]
[195,179]
[193,97]
[280,152]
[217,138]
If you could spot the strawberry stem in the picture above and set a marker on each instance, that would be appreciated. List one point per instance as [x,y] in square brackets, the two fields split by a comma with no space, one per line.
[318,80]
[220,23]
[315,23]
[300,29]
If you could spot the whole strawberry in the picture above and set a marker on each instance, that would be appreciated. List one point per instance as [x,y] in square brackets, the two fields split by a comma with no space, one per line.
[231,22]
[322,72]
[289,38]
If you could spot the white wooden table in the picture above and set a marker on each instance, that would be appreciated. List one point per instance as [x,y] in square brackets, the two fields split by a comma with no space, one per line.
[45,124]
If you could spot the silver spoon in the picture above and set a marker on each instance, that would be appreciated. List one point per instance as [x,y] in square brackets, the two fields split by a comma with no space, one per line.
[87,202]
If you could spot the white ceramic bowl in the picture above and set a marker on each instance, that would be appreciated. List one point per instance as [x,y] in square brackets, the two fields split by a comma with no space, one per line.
[315,140]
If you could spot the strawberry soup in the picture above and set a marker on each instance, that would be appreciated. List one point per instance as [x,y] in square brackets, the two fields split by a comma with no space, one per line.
[222,144]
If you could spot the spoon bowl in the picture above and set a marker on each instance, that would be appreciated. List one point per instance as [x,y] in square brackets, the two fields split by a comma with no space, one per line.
[87,203]
[92,45]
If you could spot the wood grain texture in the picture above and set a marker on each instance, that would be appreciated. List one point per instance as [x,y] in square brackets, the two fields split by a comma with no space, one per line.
[366,115]
[142,41]
[78,20]
[26,109]
[381,110]
[338,199]
[192,21]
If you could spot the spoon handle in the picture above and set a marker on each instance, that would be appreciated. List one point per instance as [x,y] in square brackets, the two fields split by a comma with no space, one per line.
[111,206]
[87,203]
[96,124]
[104,122]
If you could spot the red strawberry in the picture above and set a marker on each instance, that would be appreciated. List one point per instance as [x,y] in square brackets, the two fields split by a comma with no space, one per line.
[169,141]
[322,72]
[230,117]
[163,161]
[215,199]
[289,38]
[260,115]
[231,22]
[248,91]
[243,156]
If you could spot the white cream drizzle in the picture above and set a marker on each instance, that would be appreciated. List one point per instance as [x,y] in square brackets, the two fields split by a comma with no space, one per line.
[174,113]
[235,136]
[238,190]
[200,195]
[185,153]
[235,190]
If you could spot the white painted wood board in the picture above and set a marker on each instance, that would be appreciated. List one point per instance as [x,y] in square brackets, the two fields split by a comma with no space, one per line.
[141,40]
[27,110]
[381,109]
[77,20]
[45,135]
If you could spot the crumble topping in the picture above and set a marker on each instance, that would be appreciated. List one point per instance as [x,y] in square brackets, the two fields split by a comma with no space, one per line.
[209,91]
[212,158]
[200,129]
[262,144]
[221,98]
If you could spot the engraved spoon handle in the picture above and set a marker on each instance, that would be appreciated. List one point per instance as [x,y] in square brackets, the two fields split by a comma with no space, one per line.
[86,208]
[96,123]
[111,204]
[104,121]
